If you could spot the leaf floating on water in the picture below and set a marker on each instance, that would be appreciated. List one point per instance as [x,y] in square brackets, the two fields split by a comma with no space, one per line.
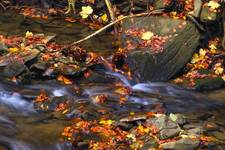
[41,98]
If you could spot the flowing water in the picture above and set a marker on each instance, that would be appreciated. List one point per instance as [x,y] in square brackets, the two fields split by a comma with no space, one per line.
[22,127]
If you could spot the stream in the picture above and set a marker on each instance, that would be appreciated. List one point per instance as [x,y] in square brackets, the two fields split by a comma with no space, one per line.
[22,127]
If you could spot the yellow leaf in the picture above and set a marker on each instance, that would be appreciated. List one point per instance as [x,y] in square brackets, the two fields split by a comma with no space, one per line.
[213,5]
[195,58]
[219,71]
[104,17]
[86,11]
[131,136]
[13,50]
[28,34]
[106,122]
[202,52]
[147,35]
[212,47]
[132,113]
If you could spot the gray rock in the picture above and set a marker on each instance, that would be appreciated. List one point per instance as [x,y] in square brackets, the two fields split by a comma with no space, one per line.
[220,135]
[196,131]
[167,128]
[179,119]
[182,144]
[39,66]
[182,41]
[151,143]
[14,69]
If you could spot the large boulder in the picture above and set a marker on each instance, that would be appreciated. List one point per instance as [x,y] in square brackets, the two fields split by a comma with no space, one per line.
[179,40]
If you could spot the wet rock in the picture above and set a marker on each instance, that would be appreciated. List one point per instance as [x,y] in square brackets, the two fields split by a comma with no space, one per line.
[25,56]
[89,115]
[29,94]
[150,143]
[30,55]
[220,135]
[71,70]
[14,69]
[82,146]
[197,131]
[97,77]
[167,128]
[184,144]
[210,126]
[124,126]
[181,41]
[40,66]
[179,119]
[209,83]
[169,132]
[133,118]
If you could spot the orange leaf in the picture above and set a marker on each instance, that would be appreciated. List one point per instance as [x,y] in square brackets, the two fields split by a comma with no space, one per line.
[64,80]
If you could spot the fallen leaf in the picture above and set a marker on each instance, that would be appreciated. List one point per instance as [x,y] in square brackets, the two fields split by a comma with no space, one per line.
[86,11]
[147,35]
[104,17]
[214,5]
[64,80]
[13,49]
[28,34]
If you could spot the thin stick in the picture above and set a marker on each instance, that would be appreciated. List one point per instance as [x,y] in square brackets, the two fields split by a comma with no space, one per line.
[113,23]
[111,13]
[2,6]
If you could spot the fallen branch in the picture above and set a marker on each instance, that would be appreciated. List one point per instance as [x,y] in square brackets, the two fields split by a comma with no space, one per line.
[114,22]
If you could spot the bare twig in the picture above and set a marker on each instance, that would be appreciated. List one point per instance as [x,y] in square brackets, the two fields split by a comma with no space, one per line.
[223,42]
[111,13]
[113,23]
[4,8]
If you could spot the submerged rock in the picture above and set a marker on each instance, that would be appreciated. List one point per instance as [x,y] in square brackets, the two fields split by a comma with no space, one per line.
[160,61]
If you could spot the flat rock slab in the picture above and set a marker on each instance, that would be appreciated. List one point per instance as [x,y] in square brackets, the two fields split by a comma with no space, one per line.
[181,40]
